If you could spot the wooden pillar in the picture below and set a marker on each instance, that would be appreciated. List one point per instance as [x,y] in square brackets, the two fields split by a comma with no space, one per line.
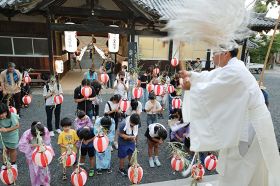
[243,54]
[170,51]
[50,44]
[208,60]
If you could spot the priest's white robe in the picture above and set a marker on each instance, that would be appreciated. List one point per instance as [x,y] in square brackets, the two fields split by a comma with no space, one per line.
[228,114]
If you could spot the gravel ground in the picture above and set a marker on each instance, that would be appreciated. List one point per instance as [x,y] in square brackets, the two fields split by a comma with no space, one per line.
[36,112]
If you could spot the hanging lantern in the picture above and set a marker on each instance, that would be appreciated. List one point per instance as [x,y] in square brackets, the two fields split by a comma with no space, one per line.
[27,79]
[12,110]
[100,143]
[42,156]
[137,92]
[104,78]
[124,105]
[197,171]
[59,66]
[69,158]
[156,70]
[71,43]
[158,90]
[150,87]
[86,91]
[170,89]
[26,100]
[176,103]
[174,62]
[8,175]
[79,177]
[210,162]
[135,174]
[113,41]
[58,99]
[177,163]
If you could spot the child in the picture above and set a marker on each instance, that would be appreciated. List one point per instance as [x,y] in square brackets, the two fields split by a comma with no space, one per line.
[135,107]
[27,143]
[152,107]
[156,133]
[9,125]
[67,139]
[86,134]
[103,160]
[82,120]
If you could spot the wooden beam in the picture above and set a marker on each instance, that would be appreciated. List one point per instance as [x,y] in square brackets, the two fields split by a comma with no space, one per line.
[150,33]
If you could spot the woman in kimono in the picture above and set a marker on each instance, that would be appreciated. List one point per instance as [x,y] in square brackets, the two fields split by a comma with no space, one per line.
[103,160]
[28,142]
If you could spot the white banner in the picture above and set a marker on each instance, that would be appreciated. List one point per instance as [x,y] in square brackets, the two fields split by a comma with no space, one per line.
[113,42]
[70,40]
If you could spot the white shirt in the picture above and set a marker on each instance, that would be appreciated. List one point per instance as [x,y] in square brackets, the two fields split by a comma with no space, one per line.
[155,107]
[50,100]
[138,109]
[152,132]
[113,106]
[120,88]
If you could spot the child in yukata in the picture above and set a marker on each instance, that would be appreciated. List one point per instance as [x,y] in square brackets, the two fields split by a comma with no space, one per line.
[82,120]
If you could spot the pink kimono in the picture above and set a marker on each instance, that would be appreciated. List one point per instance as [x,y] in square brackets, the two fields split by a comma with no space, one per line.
[38,175]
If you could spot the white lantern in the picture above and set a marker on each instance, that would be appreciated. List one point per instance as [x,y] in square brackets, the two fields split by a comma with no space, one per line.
[71,43]
[59,66]
[113,41]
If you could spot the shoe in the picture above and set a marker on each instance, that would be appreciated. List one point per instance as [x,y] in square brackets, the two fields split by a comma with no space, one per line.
[157,162]
[109,171]
[123,172]
[64,177]
[151,162]
[51,133]
[116,145]
[99,172]
[58,131]
[91,173]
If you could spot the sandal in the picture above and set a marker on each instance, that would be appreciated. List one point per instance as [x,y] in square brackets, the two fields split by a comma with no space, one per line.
[91,173]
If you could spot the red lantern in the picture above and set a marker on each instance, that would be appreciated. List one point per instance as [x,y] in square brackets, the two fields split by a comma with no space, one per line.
[135,174]
[197,171]
[26,100]
[210,162]
[177,163]
[156,70]
[137,92]
[176,103]
[170,89]
[26,79]
[158,90]
[79,177]
[86,91]
[174,62]
[12,110]
[124,105]
[8,175]
[69,158]
[150,87]
[100,143]
[58,99]
[42,156]
[104,78]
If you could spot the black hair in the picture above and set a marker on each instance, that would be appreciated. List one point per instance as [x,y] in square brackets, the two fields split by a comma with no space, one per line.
[179,111]
[5,108]
[81,114]
[152,96]
[162,133]
[106,122]
[84,133]
[135,119]
[85,82]
[134,104]
[39,126]
[234,52]
[66,122]
[116,97]
[96,86]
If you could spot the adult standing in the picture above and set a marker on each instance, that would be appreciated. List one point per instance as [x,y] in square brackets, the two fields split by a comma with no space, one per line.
[144,79]
[11,85]
[91,75]
[109,66]
[121,86]
[51,89]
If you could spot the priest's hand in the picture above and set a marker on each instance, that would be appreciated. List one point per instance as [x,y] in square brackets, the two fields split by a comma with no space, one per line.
[185,75]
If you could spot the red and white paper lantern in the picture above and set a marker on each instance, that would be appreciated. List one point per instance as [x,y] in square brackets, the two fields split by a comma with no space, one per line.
[124,105]
[137,92]
[26,100]
[104,78]
[174,62]
[176,103]
[69,158]
[86,91]
[135,174]
[12,110]
[43,157]
[177,163]
[79,177]
[156,70]
[197,171]
[210,162]
[8,175]
[58,99]
[100,143]
[170,89]
[158,90]
[150,87]
[27,79]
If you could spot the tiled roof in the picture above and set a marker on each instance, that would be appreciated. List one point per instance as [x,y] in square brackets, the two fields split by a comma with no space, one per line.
[22,5]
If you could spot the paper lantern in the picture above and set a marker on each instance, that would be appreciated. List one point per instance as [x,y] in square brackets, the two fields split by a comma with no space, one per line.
[124,105]
[58,99]
[69,158]
[71,43]
[113,41]
[86,91]
[156,70]
[150,87]
[170,89]
[12,109]
[79,177]
[137,92]
[42,156]
[104,78]
[8,175]
[158,90]
[100,143]
[26,79]
[177,163]
[26,100]
[174,62]
[210,162]
[59,66]
[176,103]
[135,174]
[197,171]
